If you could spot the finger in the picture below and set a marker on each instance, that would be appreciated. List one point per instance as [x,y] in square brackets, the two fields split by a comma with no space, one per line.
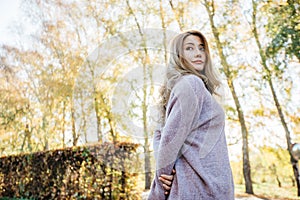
[168,177]
[166,187]
[173,171]
[166,193]
[165,181]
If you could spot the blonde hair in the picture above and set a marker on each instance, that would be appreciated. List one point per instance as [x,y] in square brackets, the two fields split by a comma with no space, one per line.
[178,66]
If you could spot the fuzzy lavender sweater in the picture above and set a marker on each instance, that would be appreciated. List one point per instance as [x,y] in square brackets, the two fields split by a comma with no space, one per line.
[193,142]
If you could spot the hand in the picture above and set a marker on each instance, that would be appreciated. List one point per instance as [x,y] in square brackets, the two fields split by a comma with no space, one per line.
[167,181]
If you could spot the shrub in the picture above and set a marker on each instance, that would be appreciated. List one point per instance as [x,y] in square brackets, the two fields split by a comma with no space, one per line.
[95,171]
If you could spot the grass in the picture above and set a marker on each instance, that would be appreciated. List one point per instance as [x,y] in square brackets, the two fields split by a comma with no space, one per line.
[264,191]
[11,198]
[269,192]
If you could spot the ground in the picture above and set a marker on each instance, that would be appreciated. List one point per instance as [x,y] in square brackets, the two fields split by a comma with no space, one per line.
[240,197]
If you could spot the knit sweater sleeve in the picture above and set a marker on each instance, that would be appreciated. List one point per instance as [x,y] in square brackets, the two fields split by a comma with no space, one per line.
[185,103]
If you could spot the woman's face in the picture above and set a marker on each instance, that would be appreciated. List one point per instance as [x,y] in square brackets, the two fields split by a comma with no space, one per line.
[194,52]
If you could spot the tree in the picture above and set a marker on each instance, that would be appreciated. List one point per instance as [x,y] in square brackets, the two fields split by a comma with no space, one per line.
[229,73]
[269,73]
[15,127]
[283,27]
[147,74]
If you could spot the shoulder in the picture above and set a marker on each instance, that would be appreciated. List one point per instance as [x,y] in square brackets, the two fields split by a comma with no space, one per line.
[193,79]
[188,86]
[188,83]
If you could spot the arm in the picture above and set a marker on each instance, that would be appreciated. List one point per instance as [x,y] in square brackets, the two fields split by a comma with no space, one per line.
[164,178]
[156,140]
[184,104]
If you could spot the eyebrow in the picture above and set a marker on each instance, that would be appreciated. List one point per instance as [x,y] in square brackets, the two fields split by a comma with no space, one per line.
[190,43]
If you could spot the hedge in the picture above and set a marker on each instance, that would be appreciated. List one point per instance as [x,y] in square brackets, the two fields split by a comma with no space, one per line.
[86,172]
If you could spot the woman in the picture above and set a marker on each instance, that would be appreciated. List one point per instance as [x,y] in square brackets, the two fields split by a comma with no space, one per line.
[191,138]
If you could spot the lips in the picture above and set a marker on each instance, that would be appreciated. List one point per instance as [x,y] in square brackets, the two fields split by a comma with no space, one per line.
[197,62]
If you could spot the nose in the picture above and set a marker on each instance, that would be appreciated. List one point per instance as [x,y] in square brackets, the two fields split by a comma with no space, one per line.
[198,53]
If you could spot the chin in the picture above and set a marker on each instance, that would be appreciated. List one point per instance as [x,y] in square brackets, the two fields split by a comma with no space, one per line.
[199,68]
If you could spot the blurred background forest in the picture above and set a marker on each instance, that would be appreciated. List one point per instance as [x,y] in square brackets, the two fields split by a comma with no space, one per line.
[81,72]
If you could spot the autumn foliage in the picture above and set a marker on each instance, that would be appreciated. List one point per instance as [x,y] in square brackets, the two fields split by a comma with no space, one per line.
[96,171]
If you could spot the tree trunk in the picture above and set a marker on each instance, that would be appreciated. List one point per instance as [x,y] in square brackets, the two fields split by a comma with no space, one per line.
[278,181]
[112,131]
[27,136]
[148,175]
[46,142]
[245,149]
[147,166]
[98,118]
[64,125]
[263,57]
[75,137]
[178,15]
[293,181]
[246,161]
[163,26]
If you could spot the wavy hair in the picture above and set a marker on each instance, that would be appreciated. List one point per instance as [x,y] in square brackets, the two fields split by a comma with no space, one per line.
[178,66]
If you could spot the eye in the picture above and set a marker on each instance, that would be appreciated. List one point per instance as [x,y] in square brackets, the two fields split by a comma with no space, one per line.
[189,48]
[201,48]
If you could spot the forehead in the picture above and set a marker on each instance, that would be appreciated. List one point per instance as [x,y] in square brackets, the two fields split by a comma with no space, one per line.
[194,39]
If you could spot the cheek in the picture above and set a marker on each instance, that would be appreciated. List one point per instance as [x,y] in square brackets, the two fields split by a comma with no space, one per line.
[188,56]
[204,56]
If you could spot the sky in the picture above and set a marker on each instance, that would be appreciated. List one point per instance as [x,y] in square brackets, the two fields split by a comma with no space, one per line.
[9,11]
